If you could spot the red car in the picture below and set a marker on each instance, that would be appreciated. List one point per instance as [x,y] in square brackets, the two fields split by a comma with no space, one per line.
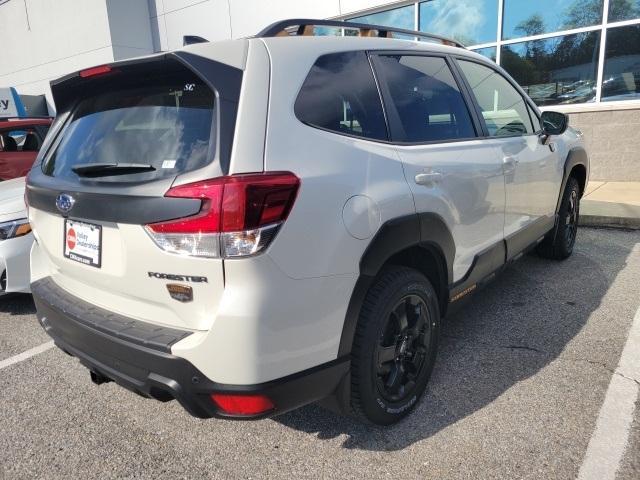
[20,141]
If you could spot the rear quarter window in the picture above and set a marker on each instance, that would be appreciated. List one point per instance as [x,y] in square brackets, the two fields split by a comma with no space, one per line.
[166,121]
[340,95]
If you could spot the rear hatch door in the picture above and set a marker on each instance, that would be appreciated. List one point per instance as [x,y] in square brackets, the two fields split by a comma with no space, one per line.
[131,131]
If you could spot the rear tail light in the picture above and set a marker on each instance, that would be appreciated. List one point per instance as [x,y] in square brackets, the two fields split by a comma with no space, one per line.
[239,216]
[242,404]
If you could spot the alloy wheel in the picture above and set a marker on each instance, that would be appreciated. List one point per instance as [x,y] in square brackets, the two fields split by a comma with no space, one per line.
[403,347]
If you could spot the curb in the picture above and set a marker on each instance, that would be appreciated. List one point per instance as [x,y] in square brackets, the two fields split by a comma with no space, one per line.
[596,213]
[610,222]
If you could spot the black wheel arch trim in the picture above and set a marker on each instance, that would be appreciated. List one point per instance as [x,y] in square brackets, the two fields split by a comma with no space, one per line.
[576,156]
[424,230]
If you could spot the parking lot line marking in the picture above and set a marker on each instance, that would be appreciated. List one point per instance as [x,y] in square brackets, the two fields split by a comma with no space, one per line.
[25,355]
[609,440]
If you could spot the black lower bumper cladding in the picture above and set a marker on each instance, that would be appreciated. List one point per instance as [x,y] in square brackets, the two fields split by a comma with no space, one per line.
[137,356]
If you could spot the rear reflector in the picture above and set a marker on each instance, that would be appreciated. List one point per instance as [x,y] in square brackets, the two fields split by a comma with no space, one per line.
[95,71]
[242,404]
[239,215]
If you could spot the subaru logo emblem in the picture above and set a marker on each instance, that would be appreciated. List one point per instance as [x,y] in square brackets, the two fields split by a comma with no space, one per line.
[65,202]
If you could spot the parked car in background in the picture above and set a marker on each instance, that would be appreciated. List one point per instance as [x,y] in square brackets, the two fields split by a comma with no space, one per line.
[20,142]
[15,238]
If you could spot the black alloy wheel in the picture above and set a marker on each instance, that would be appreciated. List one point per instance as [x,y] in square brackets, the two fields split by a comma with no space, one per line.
[558,243]
[571,219]
[394,347]
[402,348]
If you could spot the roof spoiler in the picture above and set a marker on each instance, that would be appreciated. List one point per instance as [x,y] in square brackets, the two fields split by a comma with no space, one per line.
[303,27]
[68,89]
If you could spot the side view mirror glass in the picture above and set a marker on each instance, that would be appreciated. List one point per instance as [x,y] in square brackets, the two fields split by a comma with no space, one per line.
[554,123]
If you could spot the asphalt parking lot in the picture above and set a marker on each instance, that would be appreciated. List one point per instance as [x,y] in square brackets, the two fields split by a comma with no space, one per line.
[522,380]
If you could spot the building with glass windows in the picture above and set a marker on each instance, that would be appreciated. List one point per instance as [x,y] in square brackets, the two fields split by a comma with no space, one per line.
[577,56]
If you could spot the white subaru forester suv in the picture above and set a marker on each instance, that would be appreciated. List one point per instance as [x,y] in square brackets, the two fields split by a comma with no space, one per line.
[252,225]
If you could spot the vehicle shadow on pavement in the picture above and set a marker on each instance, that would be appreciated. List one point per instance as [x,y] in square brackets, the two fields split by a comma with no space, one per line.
[17,304]
[509,332]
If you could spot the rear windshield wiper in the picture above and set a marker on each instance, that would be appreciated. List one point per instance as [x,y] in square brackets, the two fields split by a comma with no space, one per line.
[106,169]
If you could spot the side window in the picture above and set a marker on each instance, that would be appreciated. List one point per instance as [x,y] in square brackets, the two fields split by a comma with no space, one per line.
[19,141]
[426,98]
[340,94]
[503,108]
[534,118]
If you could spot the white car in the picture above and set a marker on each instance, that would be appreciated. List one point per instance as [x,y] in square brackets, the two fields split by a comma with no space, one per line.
[252,225]
[15,238]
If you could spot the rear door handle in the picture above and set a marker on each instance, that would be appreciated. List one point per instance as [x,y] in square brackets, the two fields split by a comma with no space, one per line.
[428,178]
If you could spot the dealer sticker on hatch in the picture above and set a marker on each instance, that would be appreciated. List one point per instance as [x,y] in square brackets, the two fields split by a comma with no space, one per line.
[83,242]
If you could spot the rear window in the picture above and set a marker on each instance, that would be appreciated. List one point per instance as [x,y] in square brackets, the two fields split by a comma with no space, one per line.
[165,121]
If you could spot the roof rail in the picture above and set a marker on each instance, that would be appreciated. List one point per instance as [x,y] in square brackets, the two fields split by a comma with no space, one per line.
[285,27]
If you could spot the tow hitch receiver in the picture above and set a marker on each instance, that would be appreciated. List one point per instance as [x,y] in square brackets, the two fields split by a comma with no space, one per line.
[98,378]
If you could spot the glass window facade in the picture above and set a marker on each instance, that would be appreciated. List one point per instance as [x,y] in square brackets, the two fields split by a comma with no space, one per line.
[489,52]
[551,47]
[620,10]
[621,76]
[403,17]
[471,22]
[524,18]
[556,70]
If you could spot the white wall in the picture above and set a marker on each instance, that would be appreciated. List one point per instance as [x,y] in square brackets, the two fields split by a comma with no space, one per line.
[220,19]
[248,17]
[41,40]
[33,52]
[171,19]
[130,28]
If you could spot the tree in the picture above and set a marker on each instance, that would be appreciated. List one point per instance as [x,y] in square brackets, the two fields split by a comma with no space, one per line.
[534,25]
[582,13]
[624,9]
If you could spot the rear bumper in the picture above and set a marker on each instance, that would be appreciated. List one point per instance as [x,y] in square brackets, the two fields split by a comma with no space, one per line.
[139,358]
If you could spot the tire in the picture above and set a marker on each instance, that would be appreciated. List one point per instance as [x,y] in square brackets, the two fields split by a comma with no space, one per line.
[407,354]
[559,243]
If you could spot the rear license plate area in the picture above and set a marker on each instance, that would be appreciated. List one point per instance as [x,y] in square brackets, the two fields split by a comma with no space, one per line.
[83,242]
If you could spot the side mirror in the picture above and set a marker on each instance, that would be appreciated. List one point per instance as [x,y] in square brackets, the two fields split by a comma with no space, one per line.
[554,123]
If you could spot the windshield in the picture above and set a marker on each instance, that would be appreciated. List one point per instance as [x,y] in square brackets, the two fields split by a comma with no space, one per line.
[165,123]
